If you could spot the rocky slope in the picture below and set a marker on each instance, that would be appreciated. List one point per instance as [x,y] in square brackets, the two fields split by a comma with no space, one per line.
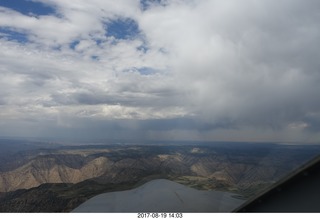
[47,169]
[58,197]
[244,169]
[233,168]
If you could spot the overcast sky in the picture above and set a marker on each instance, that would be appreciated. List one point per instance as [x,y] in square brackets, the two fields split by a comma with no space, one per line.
[161,69]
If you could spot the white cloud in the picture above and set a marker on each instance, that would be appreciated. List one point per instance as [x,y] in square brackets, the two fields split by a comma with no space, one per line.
[236,68]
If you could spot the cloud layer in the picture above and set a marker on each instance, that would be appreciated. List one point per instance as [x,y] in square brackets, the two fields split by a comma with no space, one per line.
[162,70]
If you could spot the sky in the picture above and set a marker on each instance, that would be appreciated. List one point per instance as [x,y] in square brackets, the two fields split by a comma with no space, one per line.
[201,70]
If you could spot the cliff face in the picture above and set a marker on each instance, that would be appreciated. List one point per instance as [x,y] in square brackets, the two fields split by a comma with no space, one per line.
[114,165]
[47,170]
[72,175]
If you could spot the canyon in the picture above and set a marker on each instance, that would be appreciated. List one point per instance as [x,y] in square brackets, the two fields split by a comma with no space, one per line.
[59,178]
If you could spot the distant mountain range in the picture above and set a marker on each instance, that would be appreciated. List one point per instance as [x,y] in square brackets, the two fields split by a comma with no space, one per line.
[59,178]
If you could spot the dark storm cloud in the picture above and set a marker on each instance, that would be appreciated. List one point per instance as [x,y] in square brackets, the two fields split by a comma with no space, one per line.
[312,122]
[2,101]
[264,72]
[135,94]
[183,124]
[246,70]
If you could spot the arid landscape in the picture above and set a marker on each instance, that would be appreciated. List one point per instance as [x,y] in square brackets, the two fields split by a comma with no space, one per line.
[219,97]
[47,177]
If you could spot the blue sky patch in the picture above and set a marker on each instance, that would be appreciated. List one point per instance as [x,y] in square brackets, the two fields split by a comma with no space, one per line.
[95,58]
[74,44]
[146,70]
[122,29]
[144,47]
[142,70]
[98,41]
[13,35]
[28,7]
[145,4]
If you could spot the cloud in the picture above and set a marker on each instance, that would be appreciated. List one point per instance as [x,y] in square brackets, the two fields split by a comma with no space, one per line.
[204,70]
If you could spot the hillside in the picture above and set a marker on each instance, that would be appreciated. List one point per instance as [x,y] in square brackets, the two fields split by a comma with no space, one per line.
[71,175]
